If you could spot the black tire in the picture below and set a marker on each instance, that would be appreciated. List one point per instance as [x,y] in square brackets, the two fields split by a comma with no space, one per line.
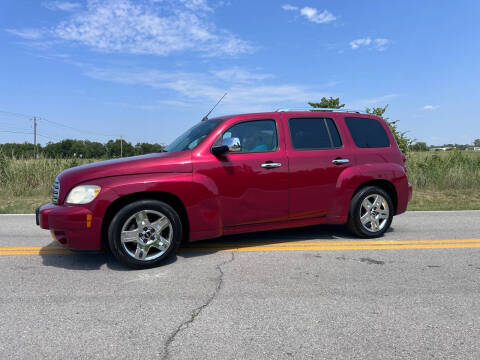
[125,213]
[354,222]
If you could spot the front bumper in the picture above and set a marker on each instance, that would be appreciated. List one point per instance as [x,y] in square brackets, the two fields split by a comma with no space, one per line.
[73,227]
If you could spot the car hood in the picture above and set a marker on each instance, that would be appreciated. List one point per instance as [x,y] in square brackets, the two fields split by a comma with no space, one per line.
[164,162]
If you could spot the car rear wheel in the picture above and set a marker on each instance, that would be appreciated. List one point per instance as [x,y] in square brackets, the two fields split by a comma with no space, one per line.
[145,233]
[371,212]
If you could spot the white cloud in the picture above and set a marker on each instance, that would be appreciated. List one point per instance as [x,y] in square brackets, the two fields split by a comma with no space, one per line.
[236,74]
[288,7]
[200,88]
[379,44]
[355,44]
[312,14]
[155,27]
[376,101]
[431,107]
[29,34]
[194,5]
[62,5]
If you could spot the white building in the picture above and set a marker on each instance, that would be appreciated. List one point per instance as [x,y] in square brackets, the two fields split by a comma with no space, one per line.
[446,148]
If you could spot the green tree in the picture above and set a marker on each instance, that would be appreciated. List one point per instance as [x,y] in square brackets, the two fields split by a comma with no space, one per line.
[331,103]
[476,143]
[401,137]
[419,146]
[94,150]
[147,148]
[18,150]
[78,149]
[113,148]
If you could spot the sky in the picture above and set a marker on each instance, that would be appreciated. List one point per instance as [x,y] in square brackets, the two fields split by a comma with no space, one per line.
[149,69]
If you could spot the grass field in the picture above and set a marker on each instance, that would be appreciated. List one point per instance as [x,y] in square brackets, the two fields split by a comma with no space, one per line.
[441,181]
[26,183]
[444,180]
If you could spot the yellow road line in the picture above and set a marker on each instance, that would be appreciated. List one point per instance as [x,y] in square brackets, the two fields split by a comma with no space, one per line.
[326,248]
[279,246]
[34,250]
[327,243]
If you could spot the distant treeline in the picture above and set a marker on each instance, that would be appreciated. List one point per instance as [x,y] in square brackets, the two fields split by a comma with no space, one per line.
[422,146]
[95,150]
[79,149]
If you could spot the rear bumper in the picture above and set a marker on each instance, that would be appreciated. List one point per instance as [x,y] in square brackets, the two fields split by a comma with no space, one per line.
[73,227]
[404,195]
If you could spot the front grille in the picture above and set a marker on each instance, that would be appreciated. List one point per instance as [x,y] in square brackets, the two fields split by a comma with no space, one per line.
[55,191]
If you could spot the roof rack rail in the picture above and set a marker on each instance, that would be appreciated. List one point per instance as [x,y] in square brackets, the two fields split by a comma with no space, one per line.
[321,109]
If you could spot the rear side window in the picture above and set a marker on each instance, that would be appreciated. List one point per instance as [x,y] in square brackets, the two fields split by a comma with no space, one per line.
[367,133]
[314,133]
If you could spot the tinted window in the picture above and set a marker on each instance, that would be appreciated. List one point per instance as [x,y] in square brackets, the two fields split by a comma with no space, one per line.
[255,136]
[367,133]
[310,133]
[337,142]
[193,136]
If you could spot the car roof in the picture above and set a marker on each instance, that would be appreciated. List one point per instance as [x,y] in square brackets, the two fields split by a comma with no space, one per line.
[326,113]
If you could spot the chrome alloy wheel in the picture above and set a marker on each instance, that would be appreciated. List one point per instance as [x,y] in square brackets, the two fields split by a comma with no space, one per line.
[374,213]
[146,235]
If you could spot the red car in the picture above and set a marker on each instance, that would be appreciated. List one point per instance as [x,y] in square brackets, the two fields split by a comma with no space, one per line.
[230,175]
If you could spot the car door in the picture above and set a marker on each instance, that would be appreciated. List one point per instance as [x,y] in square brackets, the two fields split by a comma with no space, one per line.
[252,183]
[316,158]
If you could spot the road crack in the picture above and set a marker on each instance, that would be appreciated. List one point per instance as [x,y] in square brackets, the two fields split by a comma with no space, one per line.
[197,311]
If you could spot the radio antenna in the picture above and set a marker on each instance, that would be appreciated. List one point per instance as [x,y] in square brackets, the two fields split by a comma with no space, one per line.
[206,116]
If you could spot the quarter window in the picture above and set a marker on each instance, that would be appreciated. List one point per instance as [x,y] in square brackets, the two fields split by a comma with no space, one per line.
[254,136]
[314,133]
[367,133]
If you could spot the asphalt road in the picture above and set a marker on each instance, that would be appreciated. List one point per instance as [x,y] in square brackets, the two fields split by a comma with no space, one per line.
[305,293]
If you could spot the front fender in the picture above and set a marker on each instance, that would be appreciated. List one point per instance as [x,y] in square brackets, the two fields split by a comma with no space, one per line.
[199,197]
[353,177]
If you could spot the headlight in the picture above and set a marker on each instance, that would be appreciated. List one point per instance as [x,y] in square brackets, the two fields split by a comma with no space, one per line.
[83,194]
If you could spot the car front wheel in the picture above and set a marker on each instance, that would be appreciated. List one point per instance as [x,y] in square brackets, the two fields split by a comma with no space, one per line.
[145,233]
[371,212]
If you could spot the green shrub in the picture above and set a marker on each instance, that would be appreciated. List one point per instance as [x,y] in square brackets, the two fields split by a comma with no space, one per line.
[26,177]
[452,170]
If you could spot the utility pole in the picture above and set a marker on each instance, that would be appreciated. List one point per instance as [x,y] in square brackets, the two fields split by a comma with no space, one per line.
[121,146]
[35,137]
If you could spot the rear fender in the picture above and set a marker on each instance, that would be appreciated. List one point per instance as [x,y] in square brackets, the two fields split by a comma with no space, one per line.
[353,177]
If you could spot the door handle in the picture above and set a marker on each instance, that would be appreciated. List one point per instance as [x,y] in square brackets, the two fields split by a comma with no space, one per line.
[340,161]
[270,165]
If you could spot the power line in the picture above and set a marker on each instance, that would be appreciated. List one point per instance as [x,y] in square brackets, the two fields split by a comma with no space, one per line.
[49,137]
[76,129]
[14,127]
[36,119]
[16,132]
[15,114]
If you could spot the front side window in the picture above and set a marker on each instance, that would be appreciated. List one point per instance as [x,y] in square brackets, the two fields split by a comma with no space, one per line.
[254,136]
[367,133]
[194,136]
[314,133]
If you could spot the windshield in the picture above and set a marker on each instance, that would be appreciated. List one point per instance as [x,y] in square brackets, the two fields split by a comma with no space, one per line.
[194,136]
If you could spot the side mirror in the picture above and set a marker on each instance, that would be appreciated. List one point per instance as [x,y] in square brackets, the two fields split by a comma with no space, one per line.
[228,145]
[233,144]
[219,150]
